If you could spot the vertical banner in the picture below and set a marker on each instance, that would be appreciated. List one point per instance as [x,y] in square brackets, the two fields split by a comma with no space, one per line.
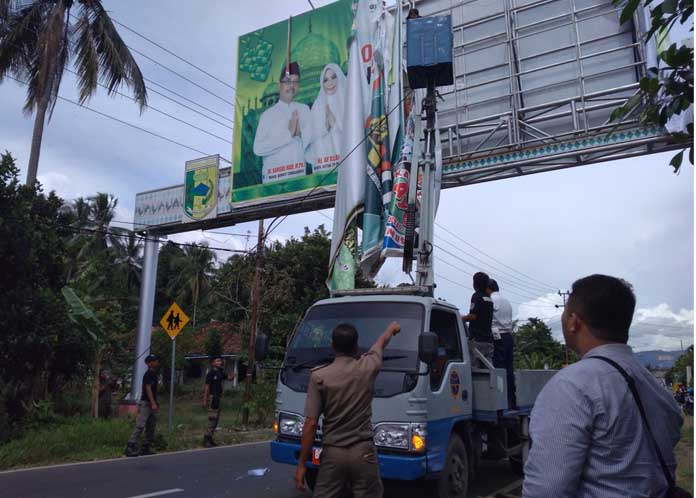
[290,105]
[201,189]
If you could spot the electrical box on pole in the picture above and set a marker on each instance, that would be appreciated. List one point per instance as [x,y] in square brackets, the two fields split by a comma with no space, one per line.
[429,63]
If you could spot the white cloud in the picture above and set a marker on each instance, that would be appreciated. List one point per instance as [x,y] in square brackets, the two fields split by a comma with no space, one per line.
[659,327]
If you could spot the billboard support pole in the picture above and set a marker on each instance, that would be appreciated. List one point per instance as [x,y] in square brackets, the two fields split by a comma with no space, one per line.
[145,309]
[255,298]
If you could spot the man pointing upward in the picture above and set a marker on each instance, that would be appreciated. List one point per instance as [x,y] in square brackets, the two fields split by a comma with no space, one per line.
[342,391]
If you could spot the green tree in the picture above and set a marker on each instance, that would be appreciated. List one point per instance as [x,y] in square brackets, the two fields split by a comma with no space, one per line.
[40,352]
[678,371]
[213,344]
[535,347]
[39,39]
[193,268]
[667,91]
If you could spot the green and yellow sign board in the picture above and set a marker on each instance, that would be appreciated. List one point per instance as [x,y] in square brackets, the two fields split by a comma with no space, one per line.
[291,84]
[201,189]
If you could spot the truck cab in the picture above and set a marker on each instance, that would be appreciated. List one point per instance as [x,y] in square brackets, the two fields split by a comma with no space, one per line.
[434,416]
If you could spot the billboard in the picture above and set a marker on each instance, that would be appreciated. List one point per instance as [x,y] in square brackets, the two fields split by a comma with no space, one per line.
[535,84]
[200,189]
[290,96]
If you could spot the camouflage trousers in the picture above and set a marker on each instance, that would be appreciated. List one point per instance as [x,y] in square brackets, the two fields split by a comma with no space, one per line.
[147,420]
[213,416]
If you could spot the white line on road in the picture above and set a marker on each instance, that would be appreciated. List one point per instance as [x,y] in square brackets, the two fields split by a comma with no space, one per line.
[159,493]
[125,459]
[506,489]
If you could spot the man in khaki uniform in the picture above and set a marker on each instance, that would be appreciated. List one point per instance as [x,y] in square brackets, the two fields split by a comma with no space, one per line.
[342,391]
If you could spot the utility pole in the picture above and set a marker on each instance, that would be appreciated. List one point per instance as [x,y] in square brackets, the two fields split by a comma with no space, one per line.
[255,297]
[564,295]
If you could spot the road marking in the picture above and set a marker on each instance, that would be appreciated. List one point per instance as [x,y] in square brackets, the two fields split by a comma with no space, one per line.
[159,493]
[506,489]
[124,459]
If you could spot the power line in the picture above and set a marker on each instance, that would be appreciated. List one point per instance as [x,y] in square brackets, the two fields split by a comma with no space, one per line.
[464,287]
[151,82]
[519,283]
[529,296]
[173,54]
[163,66]
[160,111]
[442,260]
[124,122]
[494,259]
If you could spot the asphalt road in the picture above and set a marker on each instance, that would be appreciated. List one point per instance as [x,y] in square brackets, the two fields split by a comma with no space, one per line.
[211,473]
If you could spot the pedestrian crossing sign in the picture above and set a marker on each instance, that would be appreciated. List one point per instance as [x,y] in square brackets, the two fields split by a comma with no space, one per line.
[174,320]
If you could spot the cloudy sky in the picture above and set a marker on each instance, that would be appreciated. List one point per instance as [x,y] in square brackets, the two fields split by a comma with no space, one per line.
[632,218]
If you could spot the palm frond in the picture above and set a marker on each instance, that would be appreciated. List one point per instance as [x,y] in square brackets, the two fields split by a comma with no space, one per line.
[116,64]
[18,39]
[87,59]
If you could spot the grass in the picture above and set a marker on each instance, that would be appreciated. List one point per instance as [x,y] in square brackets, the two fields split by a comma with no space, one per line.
[684,453]
[79,439]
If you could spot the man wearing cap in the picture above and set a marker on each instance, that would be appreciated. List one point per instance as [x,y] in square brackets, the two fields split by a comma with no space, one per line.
[212,398]
[284,132]
[147,409]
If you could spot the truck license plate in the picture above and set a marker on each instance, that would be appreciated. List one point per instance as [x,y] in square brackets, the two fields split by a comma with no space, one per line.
[316,453]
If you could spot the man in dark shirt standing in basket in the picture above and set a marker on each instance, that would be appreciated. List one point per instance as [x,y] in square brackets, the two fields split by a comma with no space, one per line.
[147,409]
[480,318]
[342,391]
[212,398]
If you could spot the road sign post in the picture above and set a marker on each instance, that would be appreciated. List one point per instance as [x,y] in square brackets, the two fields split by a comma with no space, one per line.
[171,385]
[173,322]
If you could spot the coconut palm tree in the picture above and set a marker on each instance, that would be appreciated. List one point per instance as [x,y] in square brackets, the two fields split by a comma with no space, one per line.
[38,41]
[129,258]
[194,268]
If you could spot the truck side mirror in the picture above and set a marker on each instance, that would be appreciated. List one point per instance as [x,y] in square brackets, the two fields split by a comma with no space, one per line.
[261,347]
[427,347]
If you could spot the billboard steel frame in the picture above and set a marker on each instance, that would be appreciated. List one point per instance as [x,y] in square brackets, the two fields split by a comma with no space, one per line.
[517,114]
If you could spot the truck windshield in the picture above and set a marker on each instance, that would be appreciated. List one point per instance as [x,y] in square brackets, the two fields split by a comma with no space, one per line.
[311,344]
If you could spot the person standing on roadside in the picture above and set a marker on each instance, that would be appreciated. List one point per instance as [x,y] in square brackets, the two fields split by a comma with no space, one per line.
[147,411]
[602,427]
[212,398]
[342,391]
[503,343]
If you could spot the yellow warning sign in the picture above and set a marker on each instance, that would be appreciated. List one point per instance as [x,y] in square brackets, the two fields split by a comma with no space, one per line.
[174,320]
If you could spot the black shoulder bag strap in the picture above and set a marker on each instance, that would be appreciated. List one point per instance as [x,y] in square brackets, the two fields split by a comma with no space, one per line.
[632,387]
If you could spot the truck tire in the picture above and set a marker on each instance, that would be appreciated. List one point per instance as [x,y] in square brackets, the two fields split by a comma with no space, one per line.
[454,481]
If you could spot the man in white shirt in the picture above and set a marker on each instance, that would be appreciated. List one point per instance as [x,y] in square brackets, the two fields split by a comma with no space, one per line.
[503,342]
[284,132]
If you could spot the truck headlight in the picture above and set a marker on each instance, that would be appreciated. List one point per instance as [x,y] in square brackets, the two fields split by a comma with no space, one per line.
[290,424]
[408,437]
[392,436]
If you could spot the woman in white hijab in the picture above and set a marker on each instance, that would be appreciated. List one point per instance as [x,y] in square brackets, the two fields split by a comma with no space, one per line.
[327,118]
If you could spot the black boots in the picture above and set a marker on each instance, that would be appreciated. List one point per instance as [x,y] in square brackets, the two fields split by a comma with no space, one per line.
[145,450]
[131,450]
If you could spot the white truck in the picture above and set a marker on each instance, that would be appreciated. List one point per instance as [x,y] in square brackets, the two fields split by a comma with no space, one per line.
[435,417]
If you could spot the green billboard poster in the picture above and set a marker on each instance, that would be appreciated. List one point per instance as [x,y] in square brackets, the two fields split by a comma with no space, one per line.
[290,105]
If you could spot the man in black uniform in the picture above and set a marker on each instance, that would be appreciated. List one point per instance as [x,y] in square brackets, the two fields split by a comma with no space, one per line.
[212,398]
[480,318]
[147,409]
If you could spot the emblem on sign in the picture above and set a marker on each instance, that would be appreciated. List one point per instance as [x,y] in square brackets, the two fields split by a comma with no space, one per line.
[174,320]
[201,188]
[454,383]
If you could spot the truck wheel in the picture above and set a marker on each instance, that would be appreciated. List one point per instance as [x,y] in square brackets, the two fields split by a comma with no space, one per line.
[454,482]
